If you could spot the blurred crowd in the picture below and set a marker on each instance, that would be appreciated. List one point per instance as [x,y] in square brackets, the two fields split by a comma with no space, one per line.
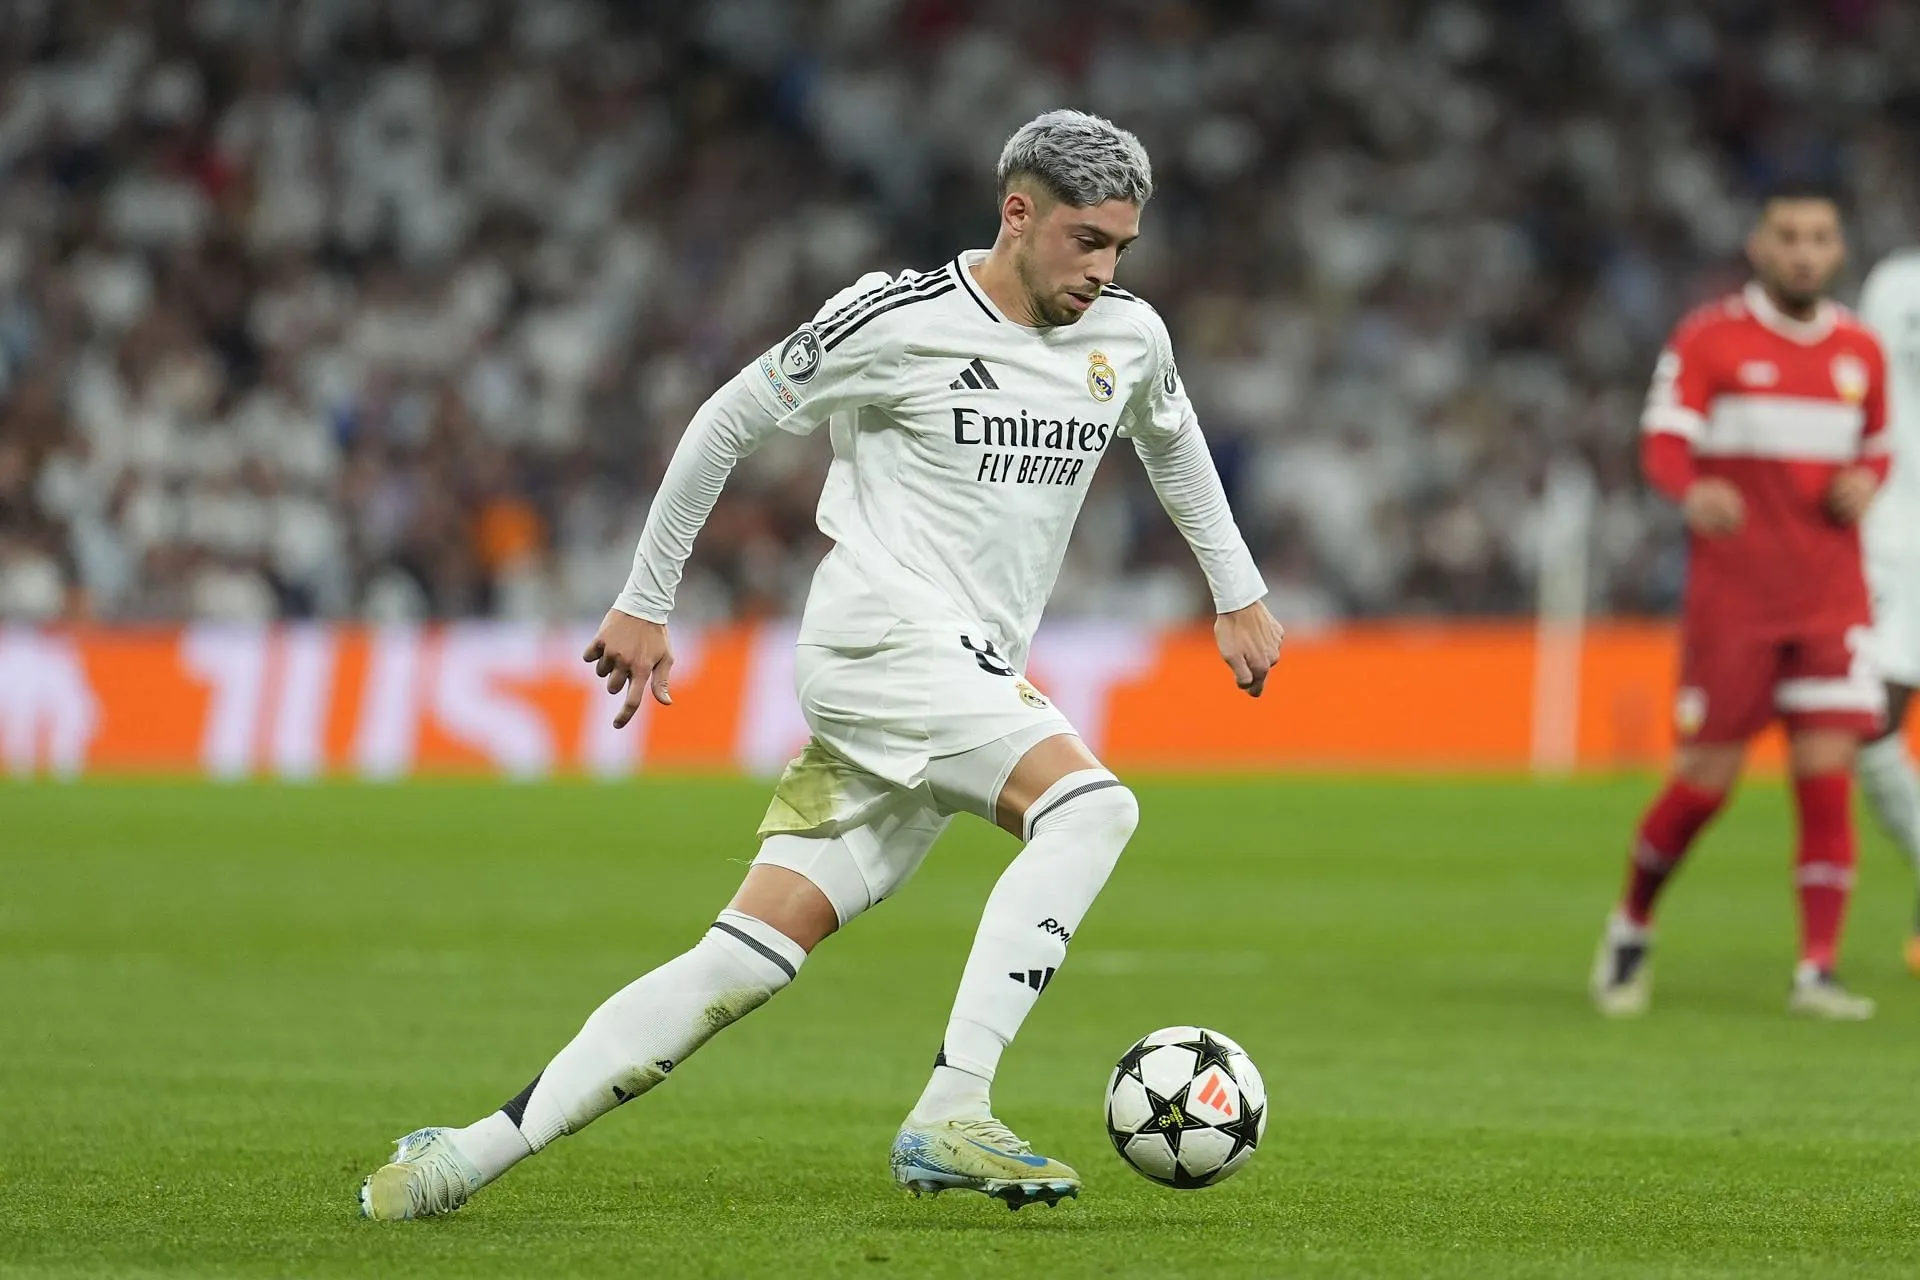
[394,309]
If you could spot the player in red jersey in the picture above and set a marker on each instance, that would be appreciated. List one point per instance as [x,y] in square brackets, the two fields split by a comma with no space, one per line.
[1766,424]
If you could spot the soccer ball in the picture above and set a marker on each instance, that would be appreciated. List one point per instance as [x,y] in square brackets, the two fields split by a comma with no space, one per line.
[1186,1107]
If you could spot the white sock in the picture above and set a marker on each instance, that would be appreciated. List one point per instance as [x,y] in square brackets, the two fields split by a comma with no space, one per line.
[641,1033]
[1893,792]
[494,1143]
[1075,833]
[953,1094]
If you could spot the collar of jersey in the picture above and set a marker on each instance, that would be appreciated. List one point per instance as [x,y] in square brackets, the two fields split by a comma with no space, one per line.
[960,267]
[1805,332]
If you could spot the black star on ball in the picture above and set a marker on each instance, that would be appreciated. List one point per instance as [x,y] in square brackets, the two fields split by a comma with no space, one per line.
[1243,1129]
[1129,1064]
[1184,1181]
[1207,1050]
[1171,1118]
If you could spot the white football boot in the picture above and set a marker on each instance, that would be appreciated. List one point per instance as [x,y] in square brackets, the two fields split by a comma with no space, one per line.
[1622,981]
[978,1155]
[1817,993]
[427,1176]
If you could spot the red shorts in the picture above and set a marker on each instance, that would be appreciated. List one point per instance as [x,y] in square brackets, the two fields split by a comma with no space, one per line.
[1733,683]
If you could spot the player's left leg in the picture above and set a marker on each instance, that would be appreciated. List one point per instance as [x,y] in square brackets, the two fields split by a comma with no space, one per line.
[1822,759]
[626,1047]
[1075,818]
[1831,698]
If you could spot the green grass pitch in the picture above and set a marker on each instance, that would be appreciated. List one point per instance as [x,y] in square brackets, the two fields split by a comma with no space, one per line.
[218,1005]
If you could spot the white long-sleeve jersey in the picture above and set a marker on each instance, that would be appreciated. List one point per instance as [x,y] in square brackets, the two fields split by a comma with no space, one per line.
[963,447]
[1890,305]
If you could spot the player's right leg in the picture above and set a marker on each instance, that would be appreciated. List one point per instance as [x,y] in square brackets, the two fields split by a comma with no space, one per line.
[628,1045]
[1727,680]
[1621,983]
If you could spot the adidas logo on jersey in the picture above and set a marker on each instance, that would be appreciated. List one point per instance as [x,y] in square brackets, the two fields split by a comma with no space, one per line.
[974,378]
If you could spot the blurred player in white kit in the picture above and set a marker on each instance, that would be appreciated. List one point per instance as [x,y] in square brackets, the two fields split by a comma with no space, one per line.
[1890,305]
[969,407]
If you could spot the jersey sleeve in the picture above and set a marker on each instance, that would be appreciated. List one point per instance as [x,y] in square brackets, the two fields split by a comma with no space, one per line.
[1876,441]
[838,360]
[1682,391]
[1667,462]
[1159,406]
[844,358]
[1160,421]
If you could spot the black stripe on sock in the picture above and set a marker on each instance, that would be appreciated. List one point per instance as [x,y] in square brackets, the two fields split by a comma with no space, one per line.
[757,945]
[516,1106]
[1074,794]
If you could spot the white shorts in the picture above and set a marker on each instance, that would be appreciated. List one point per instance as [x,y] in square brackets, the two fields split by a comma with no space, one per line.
[906,734]
[1896,618]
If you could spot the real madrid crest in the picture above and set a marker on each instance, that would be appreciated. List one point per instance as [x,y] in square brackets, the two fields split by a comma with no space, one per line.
[1102,381]
[1030,695]
[1850,377]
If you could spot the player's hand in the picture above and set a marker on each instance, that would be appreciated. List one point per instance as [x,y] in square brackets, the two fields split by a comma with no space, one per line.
[635,655]
[1851,493]
[1249,640]
[1713,507]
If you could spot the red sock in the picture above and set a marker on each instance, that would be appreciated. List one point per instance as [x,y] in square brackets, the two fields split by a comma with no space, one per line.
[1670,826]
[1825,863]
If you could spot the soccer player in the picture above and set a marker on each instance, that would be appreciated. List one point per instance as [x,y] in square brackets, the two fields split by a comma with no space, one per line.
[968,407]
[1890,305]
[1765,423]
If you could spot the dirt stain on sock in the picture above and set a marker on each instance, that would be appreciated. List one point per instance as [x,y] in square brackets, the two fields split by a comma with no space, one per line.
[729,1009]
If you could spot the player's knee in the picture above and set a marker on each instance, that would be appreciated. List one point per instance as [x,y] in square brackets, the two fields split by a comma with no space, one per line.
[1097,807]
[1713,768]
[763,958]
[1121,810]
[816,882]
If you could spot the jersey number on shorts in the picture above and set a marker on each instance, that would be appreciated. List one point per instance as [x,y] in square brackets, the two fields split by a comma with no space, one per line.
[983,653]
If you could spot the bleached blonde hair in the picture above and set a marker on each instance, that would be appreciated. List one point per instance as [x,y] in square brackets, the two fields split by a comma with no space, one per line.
[1080,159]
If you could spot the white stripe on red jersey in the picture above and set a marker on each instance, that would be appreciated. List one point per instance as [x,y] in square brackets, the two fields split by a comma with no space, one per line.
[1781,428]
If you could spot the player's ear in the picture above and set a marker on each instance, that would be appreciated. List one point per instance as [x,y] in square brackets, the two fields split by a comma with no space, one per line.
[1017,211]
